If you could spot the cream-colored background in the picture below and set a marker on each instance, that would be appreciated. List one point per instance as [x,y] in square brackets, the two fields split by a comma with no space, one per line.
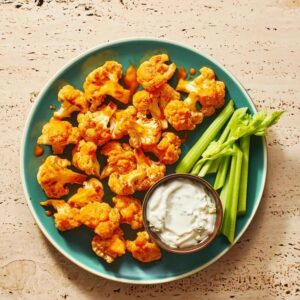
[259,41]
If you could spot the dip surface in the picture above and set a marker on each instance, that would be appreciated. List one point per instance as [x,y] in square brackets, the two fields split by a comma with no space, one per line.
[181,212]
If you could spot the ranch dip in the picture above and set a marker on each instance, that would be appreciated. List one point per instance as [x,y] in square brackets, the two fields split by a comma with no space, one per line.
[181,212]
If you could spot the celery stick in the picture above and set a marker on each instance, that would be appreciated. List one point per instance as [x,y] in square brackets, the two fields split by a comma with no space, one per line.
[205,168]
[186,164]
[223,194]
[229,224]
[214,166]
[222,172]
[197,167]
[245,147]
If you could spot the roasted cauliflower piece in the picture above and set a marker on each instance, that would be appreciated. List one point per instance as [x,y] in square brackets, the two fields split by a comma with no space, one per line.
[120,159]
[183,115]
[94,126]
[153,73]
[154,170]
[72,100]
[168,149]
[54,175]
[142,178]
[144,132]
[126,184]
[130,79]
[93,213]
[106,228]
[205,89]
[105,81]
[109,249]
[92,191]
[121,121]
[66,217]
[166,94]
[58,134]
[154,103]
[143,249]
[130,210]
[85,158]
[100,216]
[146,102]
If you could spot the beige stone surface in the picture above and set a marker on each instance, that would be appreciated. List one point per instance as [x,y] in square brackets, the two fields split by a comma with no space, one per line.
[259,41]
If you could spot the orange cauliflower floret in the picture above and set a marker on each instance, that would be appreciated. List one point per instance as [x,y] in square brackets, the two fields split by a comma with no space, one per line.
[143,249]
[93,213]
[168,149]
[139,179]
[205,89]
[92,191]
[85,158]
[53,175]
[121,121]
[109,249]
[107,227]
[166,94]
[153,73]
[144,132]
[183,115]
[130,79]
[66,217]
[72,100]
[105,81]
[93,126]
[154,170]
[100,216]
[154,102]
[120,158]
[130,210]
[58,134]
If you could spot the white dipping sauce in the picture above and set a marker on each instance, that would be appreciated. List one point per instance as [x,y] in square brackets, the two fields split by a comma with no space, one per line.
[181,212]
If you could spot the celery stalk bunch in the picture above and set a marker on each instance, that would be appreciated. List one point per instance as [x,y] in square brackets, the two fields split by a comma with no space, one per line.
[224,149]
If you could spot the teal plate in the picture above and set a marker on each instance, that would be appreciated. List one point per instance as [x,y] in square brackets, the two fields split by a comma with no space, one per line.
[75,244]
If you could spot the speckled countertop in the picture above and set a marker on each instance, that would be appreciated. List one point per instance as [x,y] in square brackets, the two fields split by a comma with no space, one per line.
[259,41]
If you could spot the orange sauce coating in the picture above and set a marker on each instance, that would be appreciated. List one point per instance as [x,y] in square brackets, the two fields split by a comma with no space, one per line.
[181,73]
[193,71]
[38,150]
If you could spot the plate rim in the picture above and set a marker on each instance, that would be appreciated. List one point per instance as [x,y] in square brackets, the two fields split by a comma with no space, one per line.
[41,94]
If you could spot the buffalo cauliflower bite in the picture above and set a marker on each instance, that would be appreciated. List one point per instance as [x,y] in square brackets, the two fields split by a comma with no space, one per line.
[120,158]
[100,216]
[58,134]
[130,210]
[205,89]
[105,81]
[153,73]
[92,191]
[106,228]
[166,94]
[91,214]
[85,158]
[93,126]
[54,175]
[144,132]
[155,102]
[72,100]
[142,178]
[130,79]
[66,217]
[154,170]
[168,149]
[143,249]
[183,115]
[109,249]
[121,121]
